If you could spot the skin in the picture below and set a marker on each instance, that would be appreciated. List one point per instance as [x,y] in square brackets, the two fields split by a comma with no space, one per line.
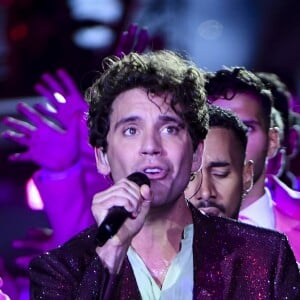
[218,188]
[146,135]
[262,142]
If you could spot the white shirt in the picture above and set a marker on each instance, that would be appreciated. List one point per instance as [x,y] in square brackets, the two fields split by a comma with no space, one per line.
[260,212]
[179,281]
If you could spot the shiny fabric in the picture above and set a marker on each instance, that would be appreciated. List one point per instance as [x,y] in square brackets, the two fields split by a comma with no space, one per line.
[232,260]
[286,206]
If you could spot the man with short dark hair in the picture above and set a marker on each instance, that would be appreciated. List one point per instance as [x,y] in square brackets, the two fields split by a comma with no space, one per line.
[225,176]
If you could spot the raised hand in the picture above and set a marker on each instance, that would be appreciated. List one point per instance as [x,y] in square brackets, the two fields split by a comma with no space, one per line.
[127,194]
[132,41]
[48,144]
[62,94]
[136,200]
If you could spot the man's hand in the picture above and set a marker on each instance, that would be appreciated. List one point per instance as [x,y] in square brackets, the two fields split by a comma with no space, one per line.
[48,145]
[136,200]
[132,41]
[62,94]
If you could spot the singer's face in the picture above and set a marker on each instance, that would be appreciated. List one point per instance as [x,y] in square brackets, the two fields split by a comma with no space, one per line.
[146,135]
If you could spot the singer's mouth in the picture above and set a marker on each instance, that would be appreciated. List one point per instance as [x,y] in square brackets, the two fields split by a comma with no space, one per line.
[155,172]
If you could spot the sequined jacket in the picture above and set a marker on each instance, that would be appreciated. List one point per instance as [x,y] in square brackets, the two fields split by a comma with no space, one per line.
[231,261]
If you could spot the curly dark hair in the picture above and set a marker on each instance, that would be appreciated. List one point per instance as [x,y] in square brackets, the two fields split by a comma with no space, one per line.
[282,98]
[223,118]
[226,83]
[161,72]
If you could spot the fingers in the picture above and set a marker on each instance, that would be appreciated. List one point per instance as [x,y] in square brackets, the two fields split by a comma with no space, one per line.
[53,84]
[121,44]
[143,40]
[48,94]
[56,87]
[35,246]
[18,126]
[69,83]
[60,89]
[146,193]
[30,113]
[147,197]
[23,261]
[46,110]
[19,132]
[124,193]
[39,121]
[127,41]
[15,137]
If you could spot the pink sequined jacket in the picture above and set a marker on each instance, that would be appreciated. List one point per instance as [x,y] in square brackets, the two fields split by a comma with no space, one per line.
[231,261]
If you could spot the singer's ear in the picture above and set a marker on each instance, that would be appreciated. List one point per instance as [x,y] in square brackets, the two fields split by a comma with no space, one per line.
[102,161]
[197,157]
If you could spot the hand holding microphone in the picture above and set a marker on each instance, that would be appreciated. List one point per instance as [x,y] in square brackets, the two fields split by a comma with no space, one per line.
[117,214]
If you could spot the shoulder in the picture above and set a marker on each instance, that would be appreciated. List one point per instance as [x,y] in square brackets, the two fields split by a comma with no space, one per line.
[237,234]
[79,249]
[68,271]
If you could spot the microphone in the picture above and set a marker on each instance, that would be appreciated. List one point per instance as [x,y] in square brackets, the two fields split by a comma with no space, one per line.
[117,214]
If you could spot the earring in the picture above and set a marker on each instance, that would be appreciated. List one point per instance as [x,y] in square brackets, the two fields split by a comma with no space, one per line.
[245,193]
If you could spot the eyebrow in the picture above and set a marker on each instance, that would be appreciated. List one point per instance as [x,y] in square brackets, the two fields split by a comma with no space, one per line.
[215,164]
[168,118]
[126,120]
[163,118]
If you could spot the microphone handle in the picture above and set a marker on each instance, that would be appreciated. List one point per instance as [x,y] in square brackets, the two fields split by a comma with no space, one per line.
[115,218]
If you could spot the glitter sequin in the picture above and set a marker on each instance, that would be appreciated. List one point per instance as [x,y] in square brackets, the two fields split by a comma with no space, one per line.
[231,261]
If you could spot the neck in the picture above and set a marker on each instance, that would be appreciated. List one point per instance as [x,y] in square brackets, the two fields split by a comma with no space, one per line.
[159,240]
[163,223]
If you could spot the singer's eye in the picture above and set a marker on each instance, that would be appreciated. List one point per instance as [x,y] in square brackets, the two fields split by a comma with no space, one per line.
[130,131]
[171,129]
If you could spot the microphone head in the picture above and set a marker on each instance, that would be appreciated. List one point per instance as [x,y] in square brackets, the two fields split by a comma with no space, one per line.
[139,178]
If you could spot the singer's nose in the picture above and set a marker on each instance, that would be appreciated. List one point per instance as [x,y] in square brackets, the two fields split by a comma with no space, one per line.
[151,143]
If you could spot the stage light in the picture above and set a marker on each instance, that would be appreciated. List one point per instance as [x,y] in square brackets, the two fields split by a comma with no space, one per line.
[34,200]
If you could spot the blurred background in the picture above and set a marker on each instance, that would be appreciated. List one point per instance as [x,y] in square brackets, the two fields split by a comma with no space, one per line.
[43,35]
